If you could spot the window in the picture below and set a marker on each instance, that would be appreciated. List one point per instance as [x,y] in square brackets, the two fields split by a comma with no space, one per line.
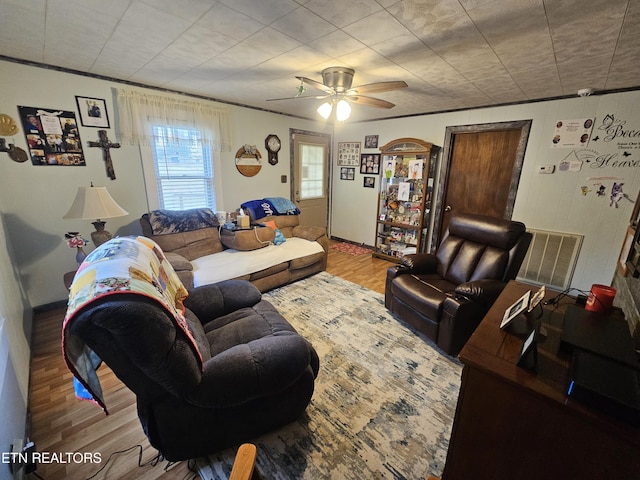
[183,168]
[312,171]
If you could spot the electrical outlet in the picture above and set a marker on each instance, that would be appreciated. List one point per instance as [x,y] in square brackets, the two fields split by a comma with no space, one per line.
[29,449]
[16,458]
[546,168]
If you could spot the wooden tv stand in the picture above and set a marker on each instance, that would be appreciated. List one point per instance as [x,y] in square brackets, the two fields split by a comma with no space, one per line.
[511,423]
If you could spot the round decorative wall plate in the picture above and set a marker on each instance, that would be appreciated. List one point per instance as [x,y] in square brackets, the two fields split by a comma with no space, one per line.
[17,154]
[8,125]
[248,160]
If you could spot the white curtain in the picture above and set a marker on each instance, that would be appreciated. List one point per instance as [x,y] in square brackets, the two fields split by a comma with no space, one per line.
[137,110]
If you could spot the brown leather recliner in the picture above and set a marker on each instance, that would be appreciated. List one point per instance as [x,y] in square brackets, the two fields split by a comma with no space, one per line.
[445,295]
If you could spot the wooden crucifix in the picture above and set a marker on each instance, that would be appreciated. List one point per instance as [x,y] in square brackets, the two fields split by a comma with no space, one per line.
[105,144]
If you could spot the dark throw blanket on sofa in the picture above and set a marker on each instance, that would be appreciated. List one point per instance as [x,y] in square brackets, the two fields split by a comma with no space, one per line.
[174,221]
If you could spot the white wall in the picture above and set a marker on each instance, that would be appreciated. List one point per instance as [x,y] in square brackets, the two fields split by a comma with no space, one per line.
[549,202]
[15,352]
[35,198]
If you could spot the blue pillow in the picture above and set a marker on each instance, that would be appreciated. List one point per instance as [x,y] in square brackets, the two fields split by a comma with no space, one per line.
[280,238]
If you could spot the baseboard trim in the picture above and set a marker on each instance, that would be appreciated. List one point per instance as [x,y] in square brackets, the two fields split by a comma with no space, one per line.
[363,245]
[50,306]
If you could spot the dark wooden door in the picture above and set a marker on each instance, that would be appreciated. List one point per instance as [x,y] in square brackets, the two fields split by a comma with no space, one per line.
[480,172]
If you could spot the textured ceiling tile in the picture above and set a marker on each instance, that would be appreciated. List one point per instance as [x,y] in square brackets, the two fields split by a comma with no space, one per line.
[388,3]
[158,72]
[499,24]
[281,87]
[227,21]
[398,45]
[336,44]
[303,25]
[581,30]
[451,35]
[501,90]
[470,4]
[266,11]
[625,67]
[142,33]
[539,82]
[475,61]
[579,74]
[627,70]
[383,74]
[22,29]
[218,68]
[299,58]
[418,15]
[363,59]
[91,35]
[376,28]
[193,80]
[242,56]
[452,53]
[510,32]
[341,13]
[628,48]
[272,41]
[190,10]
[197,45]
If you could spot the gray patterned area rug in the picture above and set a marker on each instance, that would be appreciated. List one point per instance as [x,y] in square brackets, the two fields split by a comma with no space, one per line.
[384,399]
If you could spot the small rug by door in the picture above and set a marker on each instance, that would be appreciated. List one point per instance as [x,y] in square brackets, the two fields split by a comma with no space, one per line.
[350,248]
[384,399]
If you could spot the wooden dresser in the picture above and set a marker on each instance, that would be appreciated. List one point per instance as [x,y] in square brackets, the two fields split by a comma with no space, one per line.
[512,423]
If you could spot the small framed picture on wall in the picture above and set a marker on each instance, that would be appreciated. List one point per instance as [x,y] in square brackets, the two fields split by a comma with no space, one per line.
[347,173]
[370,163]
[371,141]
[349,153]
[369,182]
[93,112]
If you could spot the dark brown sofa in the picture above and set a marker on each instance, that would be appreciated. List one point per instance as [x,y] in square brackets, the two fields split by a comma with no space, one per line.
[445,295]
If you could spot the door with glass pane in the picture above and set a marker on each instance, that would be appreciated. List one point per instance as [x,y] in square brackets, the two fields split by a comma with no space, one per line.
[310,177]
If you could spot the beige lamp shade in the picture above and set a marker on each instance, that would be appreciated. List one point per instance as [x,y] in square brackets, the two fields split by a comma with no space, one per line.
[94,203]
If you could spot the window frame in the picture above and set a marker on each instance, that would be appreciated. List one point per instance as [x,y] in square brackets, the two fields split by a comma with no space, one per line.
[152,187]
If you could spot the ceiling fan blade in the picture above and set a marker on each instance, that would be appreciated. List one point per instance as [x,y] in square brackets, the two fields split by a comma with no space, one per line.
[318,85]
[369,101]
[378,87]
[316,97]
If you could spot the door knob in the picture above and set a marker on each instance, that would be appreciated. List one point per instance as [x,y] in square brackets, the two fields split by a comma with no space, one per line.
[447,208]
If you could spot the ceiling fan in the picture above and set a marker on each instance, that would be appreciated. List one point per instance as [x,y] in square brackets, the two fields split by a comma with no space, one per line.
[336,84]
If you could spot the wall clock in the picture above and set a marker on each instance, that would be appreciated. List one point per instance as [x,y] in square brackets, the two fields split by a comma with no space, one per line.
[272,144]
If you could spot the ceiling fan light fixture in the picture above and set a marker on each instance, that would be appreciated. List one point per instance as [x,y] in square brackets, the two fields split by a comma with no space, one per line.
[343,110]
[325,110]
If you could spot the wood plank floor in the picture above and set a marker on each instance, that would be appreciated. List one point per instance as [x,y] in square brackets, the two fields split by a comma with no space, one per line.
[62,424]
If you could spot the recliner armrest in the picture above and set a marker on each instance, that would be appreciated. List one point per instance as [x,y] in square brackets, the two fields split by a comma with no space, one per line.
[483,291]
[308,232]
[420,262]
[217,299]
[178,262]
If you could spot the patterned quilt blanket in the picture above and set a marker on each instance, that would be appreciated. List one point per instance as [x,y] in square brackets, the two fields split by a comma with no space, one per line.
[122,265]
